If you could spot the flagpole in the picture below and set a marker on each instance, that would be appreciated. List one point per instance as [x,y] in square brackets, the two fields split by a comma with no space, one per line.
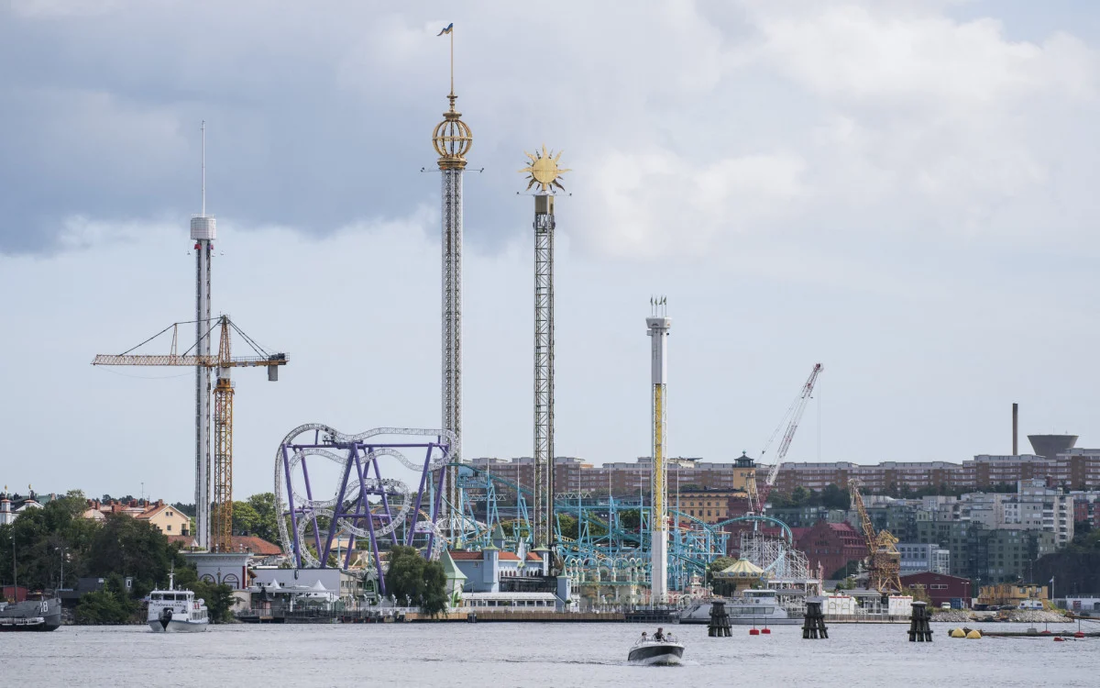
[452,32]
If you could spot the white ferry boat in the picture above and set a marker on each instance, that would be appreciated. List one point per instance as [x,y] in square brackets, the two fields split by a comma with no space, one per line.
[753,608]
[176,611]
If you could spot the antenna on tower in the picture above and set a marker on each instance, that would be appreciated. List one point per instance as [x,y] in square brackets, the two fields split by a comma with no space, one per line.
[203,128]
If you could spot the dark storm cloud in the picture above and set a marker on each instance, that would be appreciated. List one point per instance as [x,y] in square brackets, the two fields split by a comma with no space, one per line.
[101,119]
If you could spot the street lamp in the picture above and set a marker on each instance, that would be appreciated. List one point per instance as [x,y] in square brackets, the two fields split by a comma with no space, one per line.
[64,555]
[14,570]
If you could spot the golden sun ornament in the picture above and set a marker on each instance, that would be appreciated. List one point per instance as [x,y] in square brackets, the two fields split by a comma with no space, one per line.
[544,170]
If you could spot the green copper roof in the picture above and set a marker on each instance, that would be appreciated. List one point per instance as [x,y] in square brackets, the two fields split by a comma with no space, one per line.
[449,568]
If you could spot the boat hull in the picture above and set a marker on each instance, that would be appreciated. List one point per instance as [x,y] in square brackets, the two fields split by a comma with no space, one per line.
[657,654]
[700,614]
[26,625]
[177,626]
[31,615]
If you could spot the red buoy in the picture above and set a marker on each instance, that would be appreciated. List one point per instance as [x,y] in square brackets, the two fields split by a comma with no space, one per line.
[1079,634]
[1059,639]
[766,631]
[754,631]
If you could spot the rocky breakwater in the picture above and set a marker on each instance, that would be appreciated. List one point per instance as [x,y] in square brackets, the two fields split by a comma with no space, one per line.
[1008,615]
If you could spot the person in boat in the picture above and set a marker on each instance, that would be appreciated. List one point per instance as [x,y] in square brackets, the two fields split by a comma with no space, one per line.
[659,635]
[644,637]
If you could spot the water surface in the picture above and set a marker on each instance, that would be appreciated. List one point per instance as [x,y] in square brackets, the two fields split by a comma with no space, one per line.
[488,655]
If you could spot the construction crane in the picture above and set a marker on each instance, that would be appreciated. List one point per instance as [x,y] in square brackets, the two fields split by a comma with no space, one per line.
[221,516]
[759,495]
[883,559]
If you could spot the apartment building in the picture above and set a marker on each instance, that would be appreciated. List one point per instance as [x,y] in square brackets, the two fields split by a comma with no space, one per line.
[1077,469]
[625,479]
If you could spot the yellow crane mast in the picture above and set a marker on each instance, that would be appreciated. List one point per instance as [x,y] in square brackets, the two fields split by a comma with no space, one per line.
[221,513]
[883,559]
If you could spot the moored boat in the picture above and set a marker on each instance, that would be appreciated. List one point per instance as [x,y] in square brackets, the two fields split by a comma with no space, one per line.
[42,614]
[753,608]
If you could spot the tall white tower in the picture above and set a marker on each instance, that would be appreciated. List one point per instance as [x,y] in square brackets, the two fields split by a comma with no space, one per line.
[658,326]
[452,140]
[203,232]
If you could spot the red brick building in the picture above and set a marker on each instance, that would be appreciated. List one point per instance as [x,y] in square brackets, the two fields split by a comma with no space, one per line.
[940,587]
[832,545]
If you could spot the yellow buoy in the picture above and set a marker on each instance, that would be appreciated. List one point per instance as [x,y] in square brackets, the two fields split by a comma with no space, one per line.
[974,635]
[957,633]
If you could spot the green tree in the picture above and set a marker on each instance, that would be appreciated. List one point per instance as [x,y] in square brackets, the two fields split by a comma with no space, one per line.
[266,525]
[245,519]
[568,526]
[846,571]
[720,587]
[131,547]
[42,537]
[833,497]
[112,605]
[630,520]
[422,582]
[219,599]
[800,496]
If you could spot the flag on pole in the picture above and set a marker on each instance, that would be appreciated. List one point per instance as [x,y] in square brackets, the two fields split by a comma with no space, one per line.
[449,28]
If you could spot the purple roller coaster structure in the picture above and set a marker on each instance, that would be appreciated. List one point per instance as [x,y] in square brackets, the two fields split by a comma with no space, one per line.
[366,503]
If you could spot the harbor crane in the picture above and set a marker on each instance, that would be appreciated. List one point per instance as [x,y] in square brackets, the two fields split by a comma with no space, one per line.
[883,559]
[758,495]
[221,517]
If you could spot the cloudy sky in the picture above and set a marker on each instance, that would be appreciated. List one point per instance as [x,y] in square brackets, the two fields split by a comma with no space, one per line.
[903,190]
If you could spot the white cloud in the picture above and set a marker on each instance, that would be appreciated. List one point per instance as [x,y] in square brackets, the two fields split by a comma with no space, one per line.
[655,203]
[927,62]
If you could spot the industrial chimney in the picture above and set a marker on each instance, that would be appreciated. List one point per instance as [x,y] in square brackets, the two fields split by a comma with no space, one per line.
[1015,429]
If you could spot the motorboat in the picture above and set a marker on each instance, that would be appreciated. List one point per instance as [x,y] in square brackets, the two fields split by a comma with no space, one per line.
[176,611]
[651,652]
[753,608]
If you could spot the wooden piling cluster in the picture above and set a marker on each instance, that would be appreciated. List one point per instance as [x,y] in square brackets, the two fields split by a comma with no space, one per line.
[919,631]
[813,627]
[719,626]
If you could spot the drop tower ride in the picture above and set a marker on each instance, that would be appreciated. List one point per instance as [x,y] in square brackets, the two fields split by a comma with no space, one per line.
[658,325]
[452,140]
[544,172]
[203,233]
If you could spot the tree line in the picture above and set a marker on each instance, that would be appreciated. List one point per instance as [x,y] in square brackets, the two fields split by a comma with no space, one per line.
[52,547]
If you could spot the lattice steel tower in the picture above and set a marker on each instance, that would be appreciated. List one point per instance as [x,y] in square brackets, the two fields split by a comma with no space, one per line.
[221,517]
[658,325]
[203,233]
[452,140]
[544,172]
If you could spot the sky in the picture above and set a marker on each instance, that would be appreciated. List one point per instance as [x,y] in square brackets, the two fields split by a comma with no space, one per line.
[901,190]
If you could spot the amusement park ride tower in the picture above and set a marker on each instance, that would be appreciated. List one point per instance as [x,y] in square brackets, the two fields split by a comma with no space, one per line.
[452,140]
[659,324]
[203,232]
[544,172]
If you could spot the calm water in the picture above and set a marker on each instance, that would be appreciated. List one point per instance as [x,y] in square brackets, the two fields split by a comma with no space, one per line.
[492,654]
